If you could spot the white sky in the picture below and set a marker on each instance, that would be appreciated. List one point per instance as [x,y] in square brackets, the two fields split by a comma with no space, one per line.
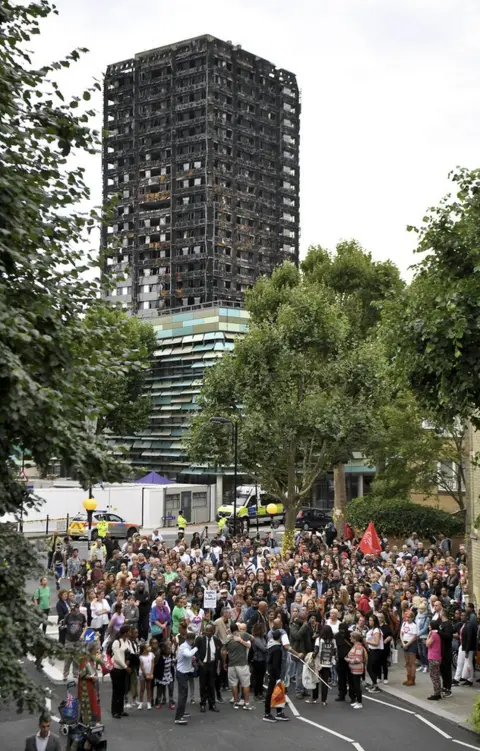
[390,94]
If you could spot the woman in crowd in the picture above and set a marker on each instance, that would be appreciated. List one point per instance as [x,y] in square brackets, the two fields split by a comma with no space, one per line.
[259,658]
[387,645]
[325,649]
[374,644]
[62,608]
[422,621]
[434,646]
[89,686]
[408,640]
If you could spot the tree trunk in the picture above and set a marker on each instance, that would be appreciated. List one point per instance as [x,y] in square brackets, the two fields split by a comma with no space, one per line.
[340,498]
[289,534]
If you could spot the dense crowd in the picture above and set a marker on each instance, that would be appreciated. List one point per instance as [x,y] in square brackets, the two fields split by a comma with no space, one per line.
[240,616]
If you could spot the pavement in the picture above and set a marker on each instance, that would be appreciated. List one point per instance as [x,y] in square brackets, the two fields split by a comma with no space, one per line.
[457,709]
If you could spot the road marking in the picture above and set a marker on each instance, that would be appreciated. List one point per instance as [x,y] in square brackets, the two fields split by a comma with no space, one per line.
[394,706]
[468,745]
[327,730]
[427,722]
[292,706]
[358,746]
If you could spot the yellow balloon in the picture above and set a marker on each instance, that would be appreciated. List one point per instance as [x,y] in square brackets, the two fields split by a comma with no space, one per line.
[272,508]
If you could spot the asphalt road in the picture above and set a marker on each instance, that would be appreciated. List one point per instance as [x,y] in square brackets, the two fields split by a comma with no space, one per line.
[389,726]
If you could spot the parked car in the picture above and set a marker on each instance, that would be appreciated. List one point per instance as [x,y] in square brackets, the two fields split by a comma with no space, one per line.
[117,526]
[312,518]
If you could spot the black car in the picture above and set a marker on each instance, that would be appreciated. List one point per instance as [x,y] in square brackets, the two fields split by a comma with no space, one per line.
[312,518]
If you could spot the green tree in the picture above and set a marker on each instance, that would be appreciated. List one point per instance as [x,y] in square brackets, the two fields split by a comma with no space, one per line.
[361,286]
[294,387]
[120,399]
[434,329]
[412,455]
[44,295]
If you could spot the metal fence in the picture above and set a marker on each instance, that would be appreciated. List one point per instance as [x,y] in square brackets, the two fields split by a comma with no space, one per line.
[44,527]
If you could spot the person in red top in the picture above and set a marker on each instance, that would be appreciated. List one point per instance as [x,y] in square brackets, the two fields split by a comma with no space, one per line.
[364,602]
[348,532]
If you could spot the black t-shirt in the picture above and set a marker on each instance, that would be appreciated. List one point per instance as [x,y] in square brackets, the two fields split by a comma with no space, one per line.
[446,630]
[75,623]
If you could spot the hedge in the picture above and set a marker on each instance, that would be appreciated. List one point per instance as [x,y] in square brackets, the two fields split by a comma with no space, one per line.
[400,517]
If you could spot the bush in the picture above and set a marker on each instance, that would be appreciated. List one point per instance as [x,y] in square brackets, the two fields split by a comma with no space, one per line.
[400,517]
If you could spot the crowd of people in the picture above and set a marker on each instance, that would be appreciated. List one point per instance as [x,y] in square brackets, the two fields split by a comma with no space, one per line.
[237,615]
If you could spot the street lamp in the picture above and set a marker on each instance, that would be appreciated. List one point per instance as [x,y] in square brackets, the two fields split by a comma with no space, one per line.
[89,504]
[227,421]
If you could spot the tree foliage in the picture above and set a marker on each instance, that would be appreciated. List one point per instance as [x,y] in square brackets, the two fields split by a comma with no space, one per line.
[412,455]
[434,329]
[47,363]
[121,401]
[399,517]
[293,384]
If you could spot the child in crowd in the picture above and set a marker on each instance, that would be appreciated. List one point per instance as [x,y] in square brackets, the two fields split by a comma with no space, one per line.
[165,675]
[145,674]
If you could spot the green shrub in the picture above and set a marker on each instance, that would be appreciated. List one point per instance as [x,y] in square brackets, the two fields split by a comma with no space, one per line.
[400,517]
[475,716]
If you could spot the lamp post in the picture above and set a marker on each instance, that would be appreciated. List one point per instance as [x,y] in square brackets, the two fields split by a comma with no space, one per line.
[233,424]
[89,504]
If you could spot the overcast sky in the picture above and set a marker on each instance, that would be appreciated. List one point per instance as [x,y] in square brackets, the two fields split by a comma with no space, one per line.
[390,94]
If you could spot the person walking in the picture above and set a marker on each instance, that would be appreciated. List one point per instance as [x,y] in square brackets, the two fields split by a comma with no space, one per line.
[356,661]
[41,599]
[184,668]
[274,666]
[408,640]
[120,652]
[434,647]
[62,608]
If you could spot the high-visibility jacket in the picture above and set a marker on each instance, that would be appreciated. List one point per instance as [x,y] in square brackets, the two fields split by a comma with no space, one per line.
[181,522]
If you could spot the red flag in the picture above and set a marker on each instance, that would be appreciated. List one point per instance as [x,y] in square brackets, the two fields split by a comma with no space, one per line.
[370,543]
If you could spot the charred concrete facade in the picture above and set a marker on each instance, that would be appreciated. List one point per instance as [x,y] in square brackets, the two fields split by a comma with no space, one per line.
[203,150]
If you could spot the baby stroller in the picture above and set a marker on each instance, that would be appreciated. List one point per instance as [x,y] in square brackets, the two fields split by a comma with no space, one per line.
[80,737]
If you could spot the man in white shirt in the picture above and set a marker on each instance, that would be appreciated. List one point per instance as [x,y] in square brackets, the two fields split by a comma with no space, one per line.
[184,668]
[44,740]
[155,537]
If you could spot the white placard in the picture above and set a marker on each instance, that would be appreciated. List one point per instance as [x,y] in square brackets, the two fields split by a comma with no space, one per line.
[209,599]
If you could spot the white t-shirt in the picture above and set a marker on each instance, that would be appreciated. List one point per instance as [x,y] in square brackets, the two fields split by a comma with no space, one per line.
[146,665]
[371,635]
[195,620]
[99,620]
[408,631]
[334,626]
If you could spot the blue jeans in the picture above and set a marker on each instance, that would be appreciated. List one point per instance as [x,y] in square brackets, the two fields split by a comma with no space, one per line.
[422,652]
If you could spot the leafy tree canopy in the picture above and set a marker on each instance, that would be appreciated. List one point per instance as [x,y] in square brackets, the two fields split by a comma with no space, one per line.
[296,387]
[50,314]
[435,328]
